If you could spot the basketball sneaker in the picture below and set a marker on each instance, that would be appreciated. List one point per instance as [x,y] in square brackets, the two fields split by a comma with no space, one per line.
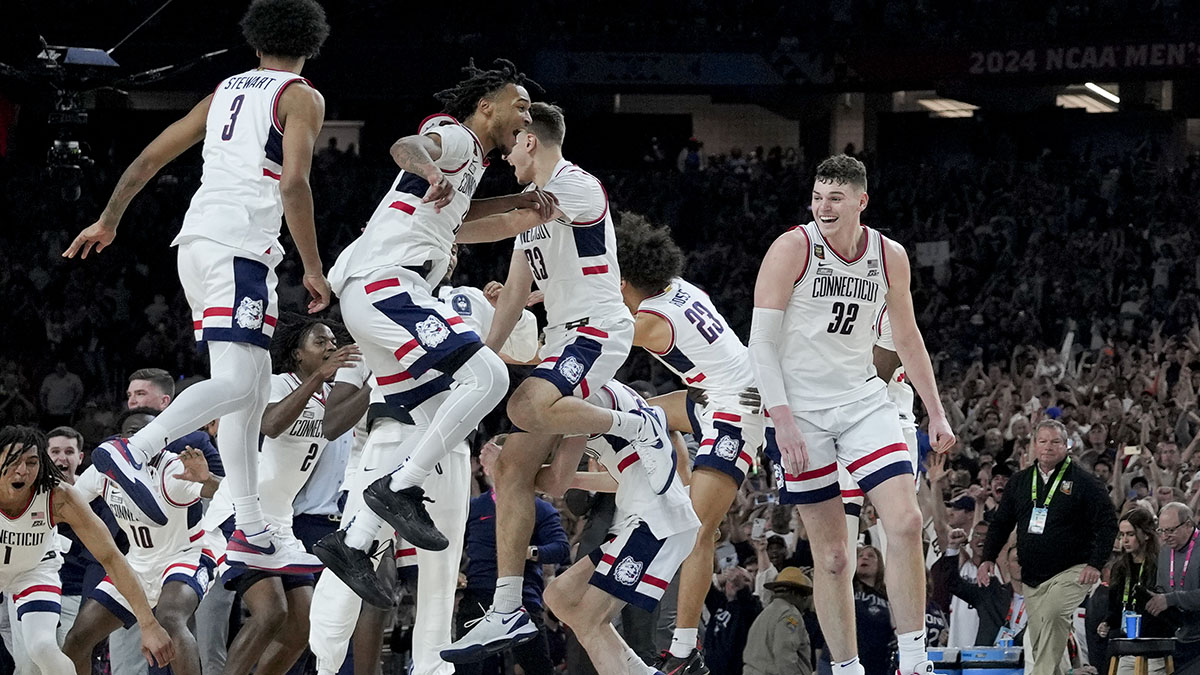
[491,634]
[355,568]
[692,664]
[655,449]
[269,552]
[405,511]
[115,459]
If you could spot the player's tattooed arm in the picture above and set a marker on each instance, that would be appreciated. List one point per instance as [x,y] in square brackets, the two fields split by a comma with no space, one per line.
[418,154]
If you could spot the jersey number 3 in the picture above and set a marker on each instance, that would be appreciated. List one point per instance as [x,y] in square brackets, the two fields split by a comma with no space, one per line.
[844,314]
[234,109]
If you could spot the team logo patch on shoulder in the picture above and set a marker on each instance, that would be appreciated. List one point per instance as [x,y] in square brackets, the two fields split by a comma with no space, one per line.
[249,314]
[572,369]
[1067,486]
[726,448]
[432,332]
[628,571]
[819,251]
[461,305]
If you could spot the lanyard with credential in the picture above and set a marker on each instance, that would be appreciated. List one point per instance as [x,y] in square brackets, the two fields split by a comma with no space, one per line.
[1009,621]
[1186,561]
[1129,582]
[1053,486]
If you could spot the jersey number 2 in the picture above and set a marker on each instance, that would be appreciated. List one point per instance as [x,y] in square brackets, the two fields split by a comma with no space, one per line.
[308,459]
[227,132]
[844,315]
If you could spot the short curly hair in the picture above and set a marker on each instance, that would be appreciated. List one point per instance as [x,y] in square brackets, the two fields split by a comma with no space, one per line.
[648,256]
[290,28]
[842,170]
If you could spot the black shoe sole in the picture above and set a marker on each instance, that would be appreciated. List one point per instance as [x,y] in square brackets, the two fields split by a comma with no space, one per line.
[335,562]
[379,497]
[485,651]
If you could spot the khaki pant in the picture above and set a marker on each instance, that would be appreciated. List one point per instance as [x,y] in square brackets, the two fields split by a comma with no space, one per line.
[1052,607]
[1157,666]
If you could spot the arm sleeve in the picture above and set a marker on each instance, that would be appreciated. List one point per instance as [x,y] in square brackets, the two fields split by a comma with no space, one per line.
[550,537]
[580,197]
[764,352]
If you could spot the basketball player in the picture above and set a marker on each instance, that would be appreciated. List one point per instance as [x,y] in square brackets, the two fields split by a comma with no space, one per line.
[410,340]
[294,440]
[820,289]
[889,369]
[572,256]
[169,561]
[258,130]
[677,323]
[33,501]
[335,605]
[653,533]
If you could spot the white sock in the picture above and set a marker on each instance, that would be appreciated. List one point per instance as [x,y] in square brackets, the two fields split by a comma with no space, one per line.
[912,650]
[684,641]
[851,667]
[625,424]
[248,516]
[634,665]
[508,594]
[363,529]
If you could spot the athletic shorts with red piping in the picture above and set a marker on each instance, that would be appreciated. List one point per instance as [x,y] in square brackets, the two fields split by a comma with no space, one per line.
[232,292]
[582,359]
[190,568]
[636,567]
[864,436]
[412,342]
[730,435]
[38,589]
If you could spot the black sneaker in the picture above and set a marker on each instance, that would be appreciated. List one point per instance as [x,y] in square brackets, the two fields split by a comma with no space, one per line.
[405,512]
[669,664]
[355,568]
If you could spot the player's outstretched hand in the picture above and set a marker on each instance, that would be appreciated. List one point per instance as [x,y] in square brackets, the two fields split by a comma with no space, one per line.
[318,289]
[792,448]
[535,298]
[492,291]
[343,357]
[97,235]
[941,437]
[156,645]
[440,192]
[195,466]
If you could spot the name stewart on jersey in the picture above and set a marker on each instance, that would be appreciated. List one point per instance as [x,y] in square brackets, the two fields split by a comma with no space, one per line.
[854,288]
[249,82]
[307,428]
[8,538]
[534,234]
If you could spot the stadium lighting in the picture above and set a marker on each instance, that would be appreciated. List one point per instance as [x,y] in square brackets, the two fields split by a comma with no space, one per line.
[1101,91]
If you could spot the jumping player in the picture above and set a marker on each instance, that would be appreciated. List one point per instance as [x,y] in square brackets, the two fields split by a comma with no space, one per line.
[820,289]
[677,323]
[169,560]
[572,256]
[385,280]
[33,501]
[258,129]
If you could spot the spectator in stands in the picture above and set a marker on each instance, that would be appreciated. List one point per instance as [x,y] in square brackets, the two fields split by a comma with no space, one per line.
[1134,574]
[733,608]
[1178,598]
[1065,532]
[999,606]
[778,642]
[61,394]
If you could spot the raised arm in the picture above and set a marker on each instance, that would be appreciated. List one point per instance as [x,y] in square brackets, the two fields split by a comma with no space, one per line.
[344,407]
[171,143]
[511,302]
[302,112]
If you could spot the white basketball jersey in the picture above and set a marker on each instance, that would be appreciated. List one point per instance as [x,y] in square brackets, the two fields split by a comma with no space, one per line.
[25,539]
[477,312]
[574,259]
[898,389]
[665,514]
[403,231]
[704,352]
[828,325]
[288,460]
[150,545]
[238,203]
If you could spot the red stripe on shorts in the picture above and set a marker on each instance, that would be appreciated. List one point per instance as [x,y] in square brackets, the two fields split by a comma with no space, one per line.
[380,285]
[886,450]
[595,332]
[218,311]
[727,417]
[655,581]
[403,206]
[393,379]
[406,348]
[815,473]
[598,269]
[454,320]
[38,589]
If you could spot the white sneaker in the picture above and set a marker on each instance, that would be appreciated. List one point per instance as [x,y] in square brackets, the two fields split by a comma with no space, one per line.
[115,459]
[491,634]
[275,556]
[655,449]
[922,668]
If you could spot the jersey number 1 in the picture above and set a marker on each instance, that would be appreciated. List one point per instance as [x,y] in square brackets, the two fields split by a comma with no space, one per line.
[844,315]
[227,132]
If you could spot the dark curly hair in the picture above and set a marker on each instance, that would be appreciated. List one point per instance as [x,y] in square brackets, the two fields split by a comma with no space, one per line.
[461,100]
[290,28]
[842,170]
[290,333]
[649,258]
[48,476]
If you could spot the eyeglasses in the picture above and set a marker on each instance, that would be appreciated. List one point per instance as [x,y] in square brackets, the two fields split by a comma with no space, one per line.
[1171,530]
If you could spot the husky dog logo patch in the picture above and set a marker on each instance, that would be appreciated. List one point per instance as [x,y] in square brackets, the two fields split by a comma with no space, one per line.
[571,368]
[726,448]
[249,314]
[628,571]
[432,332]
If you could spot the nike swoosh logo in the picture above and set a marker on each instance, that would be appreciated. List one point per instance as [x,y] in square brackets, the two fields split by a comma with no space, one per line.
[515,616]
[124,450]
[267,550]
